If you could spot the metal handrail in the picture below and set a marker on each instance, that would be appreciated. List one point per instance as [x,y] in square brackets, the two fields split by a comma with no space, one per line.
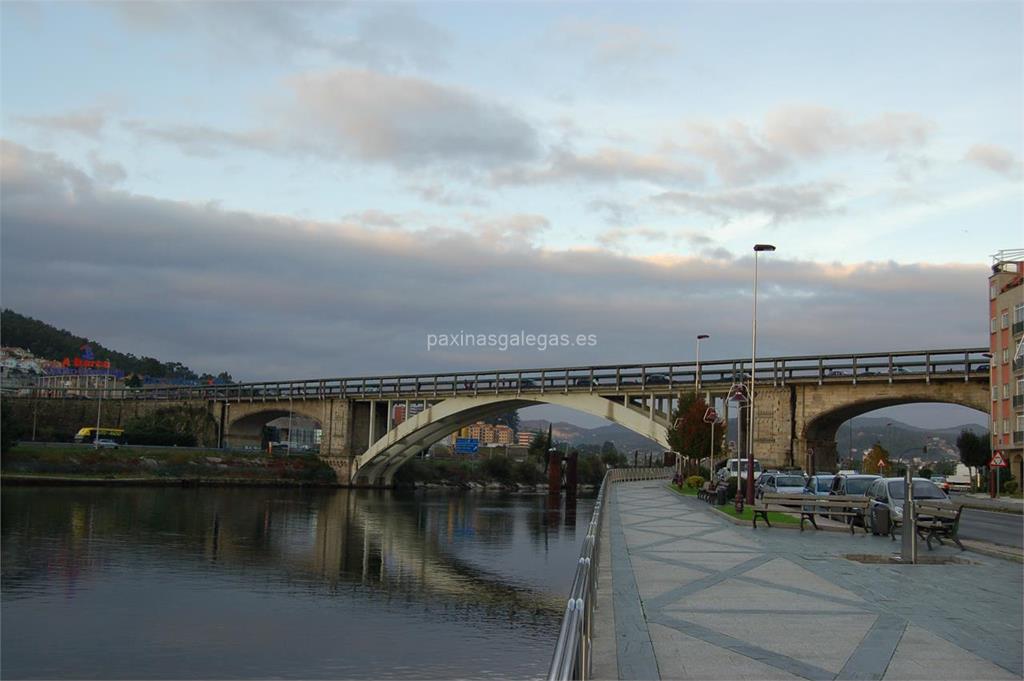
[573,654]
[666,377]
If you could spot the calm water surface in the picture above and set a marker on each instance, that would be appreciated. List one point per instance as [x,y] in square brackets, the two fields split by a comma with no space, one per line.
[243,583]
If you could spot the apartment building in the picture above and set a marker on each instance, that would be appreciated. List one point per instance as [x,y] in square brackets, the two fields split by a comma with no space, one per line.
[1006,335]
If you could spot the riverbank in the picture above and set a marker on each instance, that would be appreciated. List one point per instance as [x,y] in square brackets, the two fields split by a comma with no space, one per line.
[36,464]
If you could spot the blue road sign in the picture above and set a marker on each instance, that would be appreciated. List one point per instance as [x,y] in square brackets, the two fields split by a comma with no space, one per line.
[466,445]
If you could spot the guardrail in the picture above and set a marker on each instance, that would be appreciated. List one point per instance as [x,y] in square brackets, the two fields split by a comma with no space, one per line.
[573,651]
[962,363]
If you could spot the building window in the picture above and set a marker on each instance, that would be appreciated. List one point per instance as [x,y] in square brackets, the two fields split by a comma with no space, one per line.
[1018,313]
[1006,355]
[992,292]
[1020,386]
[1006,426]
[995,393]
[992,326]
[1006,320]
[1006,391]
[1020,422]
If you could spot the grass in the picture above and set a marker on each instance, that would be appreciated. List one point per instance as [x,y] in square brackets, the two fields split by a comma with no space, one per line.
[683,491]
[748,514]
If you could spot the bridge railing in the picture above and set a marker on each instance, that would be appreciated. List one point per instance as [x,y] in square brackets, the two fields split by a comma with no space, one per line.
[573,656]
[624,378]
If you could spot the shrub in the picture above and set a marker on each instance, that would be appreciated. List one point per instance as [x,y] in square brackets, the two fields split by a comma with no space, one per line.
[1010,487]
[694,482]
[730,488]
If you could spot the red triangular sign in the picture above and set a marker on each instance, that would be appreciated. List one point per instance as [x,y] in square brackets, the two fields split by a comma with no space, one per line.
[997,461]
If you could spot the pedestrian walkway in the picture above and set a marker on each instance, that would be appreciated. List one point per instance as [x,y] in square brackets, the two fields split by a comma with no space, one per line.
[692,596]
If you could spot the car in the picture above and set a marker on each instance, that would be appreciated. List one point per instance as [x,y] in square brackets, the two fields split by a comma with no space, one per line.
[982,367]
[656,379]
[819,485]
[105,444]
[855,484]
[888,493]
[941,482]
[781,483]
[586,381]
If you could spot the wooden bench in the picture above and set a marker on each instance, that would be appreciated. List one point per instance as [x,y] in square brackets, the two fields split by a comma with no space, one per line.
[809,505]
[936,520]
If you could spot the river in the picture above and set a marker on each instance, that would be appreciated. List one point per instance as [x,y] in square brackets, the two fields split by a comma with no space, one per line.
[101,582]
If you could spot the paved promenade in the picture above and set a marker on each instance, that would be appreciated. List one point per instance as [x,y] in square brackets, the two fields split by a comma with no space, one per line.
[687,595]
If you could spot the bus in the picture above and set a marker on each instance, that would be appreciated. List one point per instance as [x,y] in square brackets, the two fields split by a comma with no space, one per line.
[91,433]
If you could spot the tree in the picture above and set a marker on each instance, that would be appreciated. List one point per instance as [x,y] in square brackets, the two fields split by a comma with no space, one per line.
[9,430]
[688,434]
[975,451]
[925,473]
[874,459]
[507,418]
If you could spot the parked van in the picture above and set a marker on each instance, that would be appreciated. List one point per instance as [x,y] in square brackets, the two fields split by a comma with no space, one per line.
[729,470]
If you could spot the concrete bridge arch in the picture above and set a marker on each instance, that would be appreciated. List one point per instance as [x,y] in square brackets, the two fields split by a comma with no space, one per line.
[378,464]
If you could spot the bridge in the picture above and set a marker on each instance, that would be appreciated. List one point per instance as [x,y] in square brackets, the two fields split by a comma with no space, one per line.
[800,402]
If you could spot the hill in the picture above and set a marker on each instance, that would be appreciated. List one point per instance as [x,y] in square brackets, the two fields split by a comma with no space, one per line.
[901,439]
[48,342]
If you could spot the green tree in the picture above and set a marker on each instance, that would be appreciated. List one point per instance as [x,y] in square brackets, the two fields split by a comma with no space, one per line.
[975,450]
[9,430]
[507,418]
[689,434]
[925,473]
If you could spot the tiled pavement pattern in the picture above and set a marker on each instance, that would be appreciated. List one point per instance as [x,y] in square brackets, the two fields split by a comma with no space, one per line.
[695,597]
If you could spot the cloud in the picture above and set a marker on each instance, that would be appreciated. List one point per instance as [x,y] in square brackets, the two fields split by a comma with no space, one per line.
[997,159]
[107,172]
[266,297]
[604,165]
[741,153]
[613,44]
[616,238]
[390,37]
[780,203]
[410,121]
[87,123]
[209,142]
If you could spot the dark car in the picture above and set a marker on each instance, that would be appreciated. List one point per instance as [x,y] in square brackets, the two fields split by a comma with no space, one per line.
[656,379]
[586,381]
[855,484]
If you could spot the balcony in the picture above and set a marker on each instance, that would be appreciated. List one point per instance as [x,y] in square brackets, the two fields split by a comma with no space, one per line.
[1018,327]
[1018,437]
[1018,400]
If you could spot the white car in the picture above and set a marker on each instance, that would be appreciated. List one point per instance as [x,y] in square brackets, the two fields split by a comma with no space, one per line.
[105,444]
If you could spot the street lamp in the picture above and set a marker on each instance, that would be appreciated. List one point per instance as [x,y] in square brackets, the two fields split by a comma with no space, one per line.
[753,371]
[696,375]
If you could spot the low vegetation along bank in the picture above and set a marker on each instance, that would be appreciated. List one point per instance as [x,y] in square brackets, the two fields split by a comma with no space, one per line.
[31,462]
[83,462]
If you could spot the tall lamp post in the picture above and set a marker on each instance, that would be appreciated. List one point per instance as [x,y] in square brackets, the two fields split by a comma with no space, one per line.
[696,375]
[753,371]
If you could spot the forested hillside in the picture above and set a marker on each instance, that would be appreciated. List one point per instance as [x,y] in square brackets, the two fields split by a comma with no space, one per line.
[49,342]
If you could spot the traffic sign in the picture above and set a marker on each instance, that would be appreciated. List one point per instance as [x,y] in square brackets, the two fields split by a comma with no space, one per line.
[466,445]
[998,461]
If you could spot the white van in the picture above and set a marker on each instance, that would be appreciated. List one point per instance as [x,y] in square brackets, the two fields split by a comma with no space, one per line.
[729,471]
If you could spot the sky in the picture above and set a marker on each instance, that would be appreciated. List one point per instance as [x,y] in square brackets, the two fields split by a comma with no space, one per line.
[299,190]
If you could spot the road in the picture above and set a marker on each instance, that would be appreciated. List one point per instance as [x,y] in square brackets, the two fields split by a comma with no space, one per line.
[1006,529]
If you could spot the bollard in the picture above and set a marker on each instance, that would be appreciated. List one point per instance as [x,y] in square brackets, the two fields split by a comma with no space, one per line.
[908,549]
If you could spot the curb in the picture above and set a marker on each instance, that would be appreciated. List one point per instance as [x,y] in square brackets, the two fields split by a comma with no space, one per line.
[994,551]
[785,526]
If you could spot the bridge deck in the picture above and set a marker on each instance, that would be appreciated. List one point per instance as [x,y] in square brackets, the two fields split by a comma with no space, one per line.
[660,379]
[691,596]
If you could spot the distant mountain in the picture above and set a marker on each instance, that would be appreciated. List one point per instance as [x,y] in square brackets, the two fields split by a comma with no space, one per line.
[625,440]
[900,439]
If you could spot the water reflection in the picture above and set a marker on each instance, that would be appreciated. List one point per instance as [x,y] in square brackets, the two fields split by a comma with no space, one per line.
[306,568]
